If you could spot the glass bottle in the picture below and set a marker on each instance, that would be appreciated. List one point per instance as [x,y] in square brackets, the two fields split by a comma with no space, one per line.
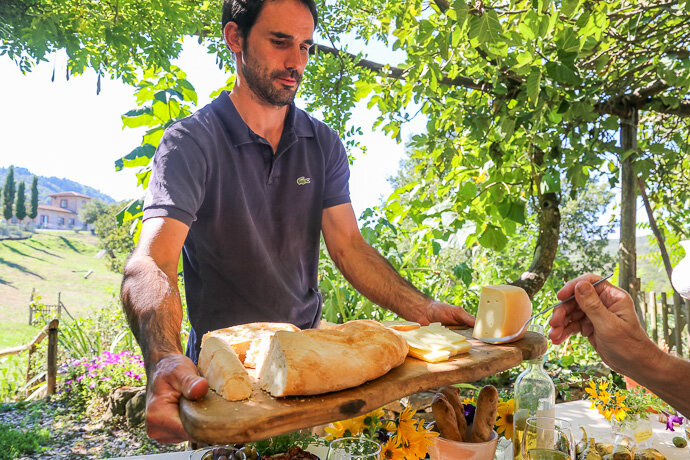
[534,395]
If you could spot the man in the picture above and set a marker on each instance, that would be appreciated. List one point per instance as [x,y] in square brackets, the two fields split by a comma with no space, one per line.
[606,316]
[243,188]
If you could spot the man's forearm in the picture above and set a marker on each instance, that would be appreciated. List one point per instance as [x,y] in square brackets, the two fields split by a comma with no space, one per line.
[667,376]
[373,276]
[152,304]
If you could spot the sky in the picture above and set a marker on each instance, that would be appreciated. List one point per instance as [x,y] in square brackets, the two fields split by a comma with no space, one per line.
[64,129]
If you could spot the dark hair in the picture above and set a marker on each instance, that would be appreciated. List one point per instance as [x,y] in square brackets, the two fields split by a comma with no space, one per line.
[244,13]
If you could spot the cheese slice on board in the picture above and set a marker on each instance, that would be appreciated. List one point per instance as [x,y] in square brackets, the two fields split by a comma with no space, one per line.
[503,309]
[435,343]
[401,325]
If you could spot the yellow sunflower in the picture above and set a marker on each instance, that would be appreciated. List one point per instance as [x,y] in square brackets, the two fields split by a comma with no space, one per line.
[406,430]
[468,401]
[391,449]
[419,441]
[339,429]
[504,421]
[592,389]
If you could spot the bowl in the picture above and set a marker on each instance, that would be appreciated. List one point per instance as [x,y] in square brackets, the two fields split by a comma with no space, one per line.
[445,449]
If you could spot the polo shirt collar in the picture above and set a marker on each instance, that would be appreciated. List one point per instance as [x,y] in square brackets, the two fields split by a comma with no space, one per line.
[297,121]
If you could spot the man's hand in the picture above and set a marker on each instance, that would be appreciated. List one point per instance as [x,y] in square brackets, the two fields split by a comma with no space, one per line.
[606,316]
[173,376]
[447,314]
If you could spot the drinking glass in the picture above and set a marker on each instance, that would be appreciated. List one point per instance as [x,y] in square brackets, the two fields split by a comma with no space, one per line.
[547,438]
[354,448]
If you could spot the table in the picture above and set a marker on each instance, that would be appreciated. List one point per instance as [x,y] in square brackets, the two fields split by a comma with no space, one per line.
[580,414]
[576,412]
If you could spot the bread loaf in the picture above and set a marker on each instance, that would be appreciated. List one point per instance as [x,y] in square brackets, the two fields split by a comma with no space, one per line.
[316,361]
[249,341]
[226,375]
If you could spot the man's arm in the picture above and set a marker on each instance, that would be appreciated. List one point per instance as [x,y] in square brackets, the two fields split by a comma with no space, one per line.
[374,277]
[152,304]
[606,316]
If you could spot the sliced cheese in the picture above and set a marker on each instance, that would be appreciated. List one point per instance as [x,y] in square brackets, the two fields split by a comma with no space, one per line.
[503,309]
[401,325]
[435,356]
[434,343]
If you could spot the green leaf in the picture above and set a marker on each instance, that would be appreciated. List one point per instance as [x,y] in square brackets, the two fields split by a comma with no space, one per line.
[140,156]
[569,7]
[486,28]
[568,41]
[138,117]
[533,82]
[461,10]
[132,210]
[524,58]
[493,238]
[563,74]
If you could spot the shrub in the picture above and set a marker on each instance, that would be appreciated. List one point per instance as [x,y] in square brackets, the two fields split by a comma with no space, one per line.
[15,443]
[87,380]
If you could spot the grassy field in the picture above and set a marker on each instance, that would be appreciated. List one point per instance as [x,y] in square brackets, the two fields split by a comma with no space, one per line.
[50,262]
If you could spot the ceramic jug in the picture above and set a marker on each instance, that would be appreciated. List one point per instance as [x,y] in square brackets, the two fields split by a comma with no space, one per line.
[680,277]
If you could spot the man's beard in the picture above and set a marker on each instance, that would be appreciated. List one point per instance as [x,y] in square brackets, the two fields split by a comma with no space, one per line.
[260,81]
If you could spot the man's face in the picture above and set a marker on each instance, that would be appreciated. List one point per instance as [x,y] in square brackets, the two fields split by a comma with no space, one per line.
[276,51]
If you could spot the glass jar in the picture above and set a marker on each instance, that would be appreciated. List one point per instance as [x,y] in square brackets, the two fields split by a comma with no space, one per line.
[535,396]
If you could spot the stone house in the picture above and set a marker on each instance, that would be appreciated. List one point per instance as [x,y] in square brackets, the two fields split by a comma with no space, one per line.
[63,211]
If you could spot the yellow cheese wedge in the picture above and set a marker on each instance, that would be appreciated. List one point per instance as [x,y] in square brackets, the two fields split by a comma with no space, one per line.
[502,311]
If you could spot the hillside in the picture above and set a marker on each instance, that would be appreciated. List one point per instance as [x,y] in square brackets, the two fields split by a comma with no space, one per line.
[48,185]
[51,262]
[652,278]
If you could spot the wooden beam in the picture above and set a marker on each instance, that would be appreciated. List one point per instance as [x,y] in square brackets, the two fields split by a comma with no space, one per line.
[628,251]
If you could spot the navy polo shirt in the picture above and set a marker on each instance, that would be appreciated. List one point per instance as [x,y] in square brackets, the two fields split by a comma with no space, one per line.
[254,216]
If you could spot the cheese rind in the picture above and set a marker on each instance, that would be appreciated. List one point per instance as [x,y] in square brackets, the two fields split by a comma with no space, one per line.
[503,309]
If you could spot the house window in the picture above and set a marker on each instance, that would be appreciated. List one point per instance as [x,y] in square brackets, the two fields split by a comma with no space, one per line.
[44,219]
[61,221]
[63,204]
[71,222]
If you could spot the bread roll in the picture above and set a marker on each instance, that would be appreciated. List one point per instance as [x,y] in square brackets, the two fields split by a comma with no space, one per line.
[226,375]
[452,394]
[444,414]
[484,415]
[316,361]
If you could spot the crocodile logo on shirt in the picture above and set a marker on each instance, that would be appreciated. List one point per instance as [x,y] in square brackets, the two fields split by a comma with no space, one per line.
[303,180]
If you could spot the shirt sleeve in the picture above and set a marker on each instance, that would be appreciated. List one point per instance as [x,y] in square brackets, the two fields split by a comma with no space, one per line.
[337,187]
[178,177]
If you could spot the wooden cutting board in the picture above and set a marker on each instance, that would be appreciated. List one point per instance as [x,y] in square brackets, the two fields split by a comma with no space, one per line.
[214,420]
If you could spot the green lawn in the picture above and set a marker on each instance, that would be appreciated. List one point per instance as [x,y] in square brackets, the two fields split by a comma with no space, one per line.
[51,262]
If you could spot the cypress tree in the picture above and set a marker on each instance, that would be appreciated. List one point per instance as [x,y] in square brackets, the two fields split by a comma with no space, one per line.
[33,212]
[8,194]
[20,205]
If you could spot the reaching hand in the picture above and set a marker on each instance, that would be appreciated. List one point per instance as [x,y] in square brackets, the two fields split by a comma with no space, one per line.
[174,375]
[447,314]
[606,316]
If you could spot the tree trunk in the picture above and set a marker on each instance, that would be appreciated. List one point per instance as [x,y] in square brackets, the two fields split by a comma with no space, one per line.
[547,244]
[628,253]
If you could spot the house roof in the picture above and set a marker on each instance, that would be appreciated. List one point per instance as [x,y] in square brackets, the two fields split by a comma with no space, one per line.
[48,207]
[79,195]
